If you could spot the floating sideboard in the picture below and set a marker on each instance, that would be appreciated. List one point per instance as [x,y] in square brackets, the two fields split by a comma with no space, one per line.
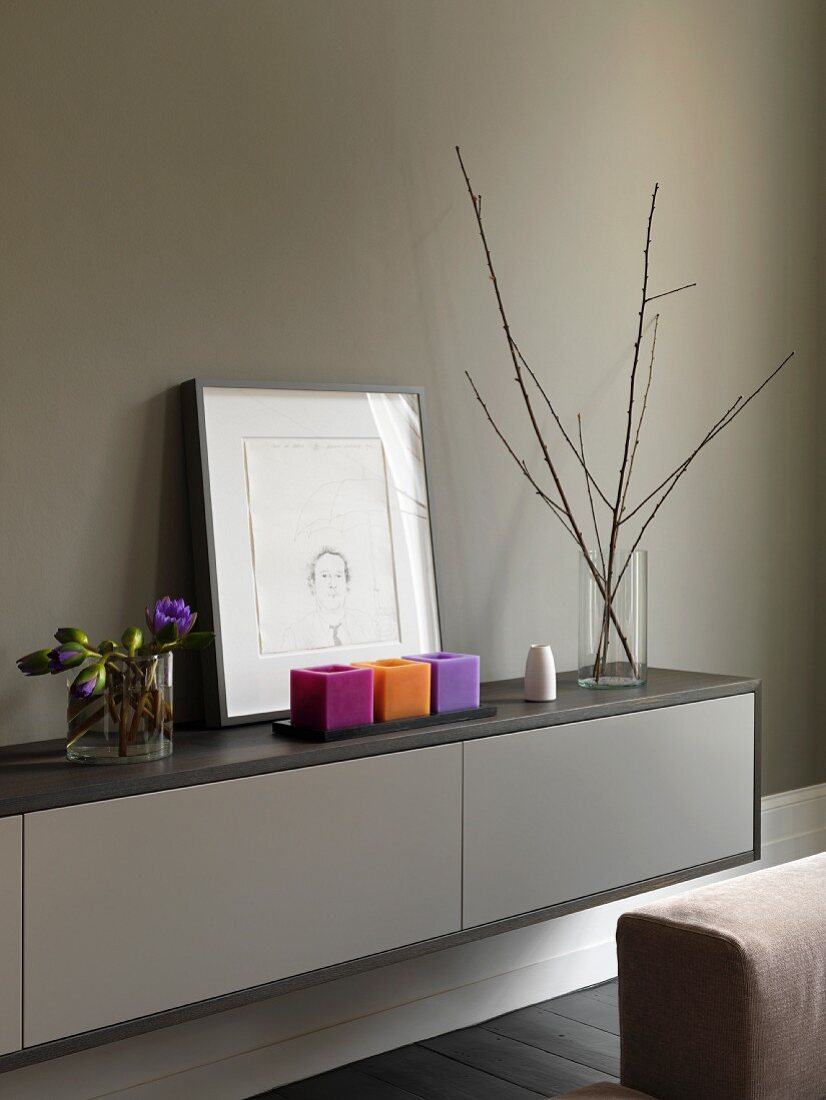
[247,864]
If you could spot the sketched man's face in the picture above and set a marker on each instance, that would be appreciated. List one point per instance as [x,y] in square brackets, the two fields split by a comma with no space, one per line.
[330,582]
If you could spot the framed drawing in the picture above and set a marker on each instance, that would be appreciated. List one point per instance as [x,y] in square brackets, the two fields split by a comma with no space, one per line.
[312,533]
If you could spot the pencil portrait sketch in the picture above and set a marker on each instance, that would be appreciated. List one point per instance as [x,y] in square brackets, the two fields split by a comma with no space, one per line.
[321,543]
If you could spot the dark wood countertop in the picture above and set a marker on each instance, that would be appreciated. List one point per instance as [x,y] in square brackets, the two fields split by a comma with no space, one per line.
[37,776]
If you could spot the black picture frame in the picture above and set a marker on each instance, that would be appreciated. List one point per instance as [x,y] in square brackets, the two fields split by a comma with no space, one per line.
[203,533]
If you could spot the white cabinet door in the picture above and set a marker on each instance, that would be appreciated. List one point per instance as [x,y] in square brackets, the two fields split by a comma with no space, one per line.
[11,932]
[557,814]
[145,903]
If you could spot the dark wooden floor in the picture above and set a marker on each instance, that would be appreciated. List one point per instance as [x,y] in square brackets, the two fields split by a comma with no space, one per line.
[536,1052]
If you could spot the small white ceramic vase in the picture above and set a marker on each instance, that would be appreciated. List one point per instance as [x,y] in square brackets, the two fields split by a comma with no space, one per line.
[540,675]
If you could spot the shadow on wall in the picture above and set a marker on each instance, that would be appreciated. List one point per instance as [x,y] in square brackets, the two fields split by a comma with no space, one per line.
[161,530]
[137,529]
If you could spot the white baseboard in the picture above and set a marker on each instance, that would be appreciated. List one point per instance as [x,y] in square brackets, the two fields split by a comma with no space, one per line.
[792,820]
[247,1051]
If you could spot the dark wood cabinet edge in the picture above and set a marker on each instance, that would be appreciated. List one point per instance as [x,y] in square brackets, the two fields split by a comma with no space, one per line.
[116,782]
[169,1018]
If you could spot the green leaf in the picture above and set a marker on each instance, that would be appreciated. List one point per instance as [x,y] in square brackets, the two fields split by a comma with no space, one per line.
[35,664]
[91,680]
[198,639]
[101,680]
[168,634]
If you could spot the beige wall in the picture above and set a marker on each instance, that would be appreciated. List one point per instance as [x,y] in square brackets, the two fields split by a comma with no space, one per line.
[269,190]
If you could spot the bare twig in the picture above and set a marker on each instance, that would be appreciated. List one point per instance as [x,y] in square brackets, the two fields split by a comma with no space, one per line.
[606,581]
[523,466]
[665,293]
[731,414]
[642,414]
[728,416]
[679,469]
[601,582]
[612,546]
[636,360]
[477,207]
[590,496]
[580,458]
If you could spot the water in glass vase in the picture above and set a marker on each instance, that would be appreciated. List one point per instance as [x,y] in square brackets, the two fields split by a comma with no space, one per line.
[613,629]
[131,720]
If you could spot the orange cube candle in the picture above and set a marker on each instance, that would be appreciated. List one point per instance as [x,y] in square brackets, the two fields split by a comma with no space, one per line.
[401,689]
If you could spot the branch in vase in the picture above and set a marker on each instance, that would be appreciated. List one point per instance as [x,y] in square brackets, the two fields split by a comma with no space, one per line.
[606,581]
[622,485]
[678,470]
[636,360]
[580,458]
[666,293]
[727,418]
[642,415]
[675,475]
[730,415]
[590,495]
[477,209]
[602,582]
[558,511]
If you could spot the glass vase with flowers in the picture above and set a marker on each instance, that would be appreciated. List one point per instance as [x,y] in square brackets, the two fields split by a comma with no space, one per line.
[120,706]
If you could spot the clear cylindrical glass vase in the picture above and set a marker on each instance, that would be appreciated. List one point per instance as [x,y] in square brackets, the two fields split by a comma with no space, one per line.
[613,632]
[130,721]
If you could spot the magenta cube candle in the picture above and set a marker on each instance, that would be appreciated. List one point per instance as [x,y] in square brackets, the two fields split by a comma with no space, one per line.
[331,697]
[454,680]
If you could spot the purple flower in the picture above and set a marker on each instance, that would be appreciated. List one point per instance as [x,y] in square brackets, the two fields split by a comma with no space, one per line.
[89,681]
[66,656]
[34,664]
[168,611]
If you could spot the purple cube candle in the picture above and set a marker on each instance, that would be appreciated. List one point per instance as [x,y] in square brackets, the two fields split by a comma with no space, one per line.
[454,680]
[331,697]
